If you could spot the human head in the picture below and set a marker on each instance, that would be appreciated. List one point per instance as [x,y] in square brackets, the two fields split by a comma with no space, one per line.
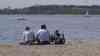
[56,31]
[27,28]
[43,26]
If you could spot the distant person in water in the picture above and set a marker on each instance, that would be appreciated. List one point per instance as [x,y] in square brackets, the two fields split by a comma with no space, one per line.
[28,36]
[43,35]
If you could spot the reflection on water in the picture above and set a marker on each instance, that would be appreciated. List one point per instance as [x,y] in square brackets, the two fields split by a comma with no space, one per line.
[72,26]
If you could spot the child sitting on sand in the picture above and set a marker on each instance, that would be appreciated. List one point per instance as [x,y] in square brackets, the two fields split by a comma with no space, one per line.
[28,36]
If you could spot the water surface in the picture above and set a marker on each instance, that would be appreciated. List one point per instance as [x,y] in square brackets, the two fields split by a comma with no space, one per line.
[81,27]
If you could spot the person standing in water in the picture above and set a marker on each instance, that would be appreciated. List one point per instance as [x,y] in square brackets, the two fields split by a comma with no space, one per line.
[43,35]
[28,36]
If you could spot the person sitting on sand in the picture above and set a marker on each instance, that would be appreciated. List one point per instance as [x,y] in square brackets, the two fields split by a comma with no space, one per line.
[59,38]
[28,36]
[57,34]
[43,35]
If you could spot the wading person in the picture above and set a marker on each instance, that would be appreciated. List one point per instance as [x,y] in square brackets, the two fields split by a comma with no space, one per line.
[28,36]
[43,35]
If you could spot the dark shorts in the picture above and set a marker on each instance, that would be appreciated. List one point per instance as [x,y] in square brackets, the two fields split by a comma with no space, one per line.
[44,42]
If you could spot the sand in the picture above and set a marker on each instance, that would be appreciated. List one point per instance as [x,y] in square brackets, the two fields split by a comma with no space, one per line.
[69,49]
[7,50]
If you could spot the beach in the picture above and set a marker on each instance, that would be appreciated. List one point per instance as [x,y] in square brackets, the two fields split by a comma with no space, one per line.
[7,50]
[89,48]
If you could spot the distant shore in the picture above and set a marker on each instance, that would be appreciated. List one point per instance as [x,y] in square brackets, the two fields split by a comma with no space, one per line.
[53,9]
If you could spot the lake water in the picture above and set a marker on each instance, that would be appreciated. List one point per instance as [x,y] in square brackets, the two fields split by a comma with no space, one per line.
[73,26]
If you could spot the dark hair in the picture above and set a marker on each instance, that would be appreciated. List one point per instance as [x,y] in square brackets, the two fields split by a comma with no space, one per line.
[27,28]
[43,26]
[57,32]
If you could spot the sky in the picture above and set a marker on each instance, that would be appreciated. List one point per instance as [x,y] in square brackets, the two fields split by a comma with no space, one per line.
[26,3]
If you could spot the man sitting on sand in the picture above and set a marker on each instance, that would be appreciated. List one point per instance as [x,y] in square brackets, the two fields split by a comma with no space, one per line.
[28,36]
[43,35]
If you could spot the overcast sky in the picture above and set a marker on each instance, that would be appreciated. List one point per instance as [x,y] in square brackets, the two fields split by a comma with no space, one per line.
[26,3]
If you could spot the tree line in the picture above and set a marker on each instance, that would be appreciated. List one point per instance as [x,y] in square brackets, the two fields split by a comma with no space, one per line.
[53,9]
